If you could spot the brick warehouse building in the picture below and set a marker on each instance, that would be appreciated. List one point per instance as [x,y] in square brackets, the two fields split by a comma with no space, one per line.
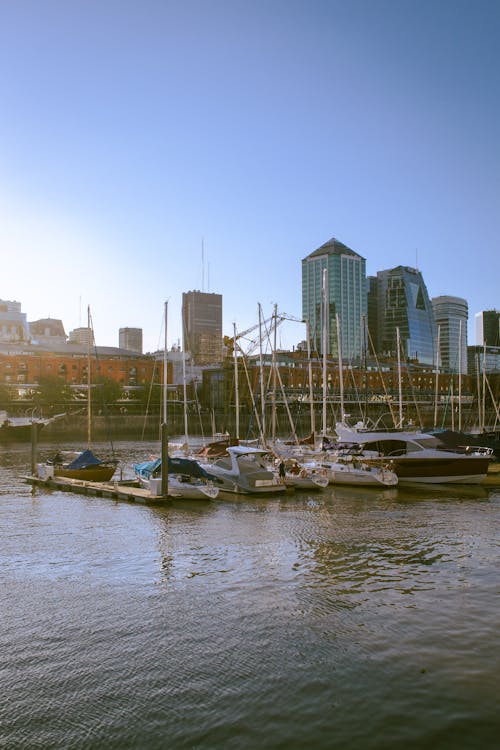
[22,366]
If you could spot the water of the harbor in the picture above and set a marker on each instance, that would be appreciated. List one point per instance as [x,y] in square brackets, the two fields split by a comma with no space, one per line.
[351,619]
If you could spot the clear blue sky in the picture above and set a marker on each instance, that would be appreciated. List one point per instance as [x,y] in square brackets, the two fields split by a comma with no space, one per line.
[132,129]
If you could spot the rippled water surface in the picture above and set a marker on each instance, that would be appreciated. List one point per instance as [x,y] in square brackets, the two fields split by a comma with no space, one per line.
[352,619]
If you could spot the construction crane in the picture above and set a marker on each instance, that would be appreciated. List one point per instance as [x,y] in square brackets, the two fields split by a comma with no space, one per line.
[274,320]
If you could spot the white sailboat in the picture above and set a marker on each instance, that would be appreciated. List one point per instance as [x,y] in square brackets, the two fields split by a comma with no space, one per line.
[168,476]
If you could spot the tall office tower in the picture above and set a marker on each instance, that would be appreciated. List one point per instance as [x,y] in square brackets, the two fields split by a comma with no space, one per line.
[131,339]
[488,328]
[345,298]
[373,344]
[13,324]
[202,326]
[404,306]
[451,314]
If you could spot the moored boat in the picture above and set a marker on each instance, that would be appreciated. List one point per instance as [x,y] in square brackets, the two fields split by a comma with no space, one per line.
[186,478]
[417,457]
[84,465]
[244,471]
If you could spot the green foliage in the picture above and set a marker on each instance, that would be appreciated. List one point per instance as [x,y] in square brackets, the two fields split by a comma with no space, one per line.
[52,395]
[150,398]
[106,392]
[5,397]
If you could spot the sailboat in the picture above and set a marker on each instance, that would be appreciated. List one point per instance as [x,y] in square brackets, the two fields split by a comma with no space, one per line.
[183,477]
[81,464]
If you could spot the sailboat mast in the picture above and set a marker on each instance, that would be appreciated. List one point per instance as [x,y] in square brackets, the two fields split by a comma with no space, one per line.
[325,334]
[165,368]
[184,392]
[262,390]
[164,433]
[436,389]
[399,379]
[460,378]
[309,367]
[236,387]
[341,368]
[89,401]
[275,320]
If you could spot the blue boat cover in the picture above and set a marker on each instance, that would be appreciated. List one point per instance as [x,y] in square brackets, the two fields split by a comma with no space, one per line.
[86,458]
[175,465]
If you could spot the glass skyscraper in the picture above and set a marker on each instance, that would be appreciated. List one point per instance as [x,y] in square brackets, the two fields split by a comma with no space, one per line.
[403,303]
[346,295]
[450,312]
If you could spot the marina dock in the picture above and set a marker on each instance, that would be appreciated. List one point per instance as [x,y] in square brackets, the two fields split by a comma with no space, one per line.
[120,490]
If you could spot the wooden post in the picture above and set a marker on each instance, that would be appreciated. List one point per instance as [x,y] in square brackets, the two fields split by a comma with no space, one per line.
[164,459]
[34,440]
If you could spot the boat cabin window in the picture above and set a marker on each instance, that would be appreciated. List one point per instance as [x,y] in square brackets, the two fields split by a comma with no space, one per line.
[429,442]
[387,447]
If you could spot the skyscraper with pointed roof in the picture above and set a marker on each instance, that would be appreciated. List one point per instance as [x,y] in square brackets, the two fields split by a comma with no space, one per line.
[345,293]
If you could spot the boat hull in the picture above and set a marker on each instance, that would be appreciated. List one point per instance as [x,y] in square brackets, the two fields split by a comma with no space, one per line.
[364,479]
[90,474]
[464,470]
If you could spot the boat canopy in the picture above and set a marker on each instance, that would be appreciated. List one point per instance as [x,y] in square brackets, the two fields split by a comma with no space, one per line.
[86,458]
[175,465]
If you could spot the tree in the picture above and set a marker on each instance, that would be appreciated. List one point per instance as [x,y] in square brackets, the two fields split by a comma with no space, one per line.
[106,392]
[5,397]
[52,395]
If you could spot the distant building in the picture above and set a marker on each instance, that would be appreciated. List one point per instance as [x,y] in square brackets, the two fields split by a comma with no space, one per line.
[483,359]
[373,344]
[451,314]
[346,296]
[488,328]
[47,331]
[83,336]
[13,324]
[131,339]
[202,326]
[403,305]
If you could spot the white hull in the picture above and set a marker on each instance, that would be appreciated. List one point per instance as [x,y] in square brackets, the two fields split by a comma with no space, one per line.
[307,482]
[361,478]
[185,490]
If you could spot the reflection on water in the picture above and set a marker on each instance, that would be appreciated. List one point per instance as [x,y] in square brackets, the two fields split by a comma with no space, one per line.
[344,619]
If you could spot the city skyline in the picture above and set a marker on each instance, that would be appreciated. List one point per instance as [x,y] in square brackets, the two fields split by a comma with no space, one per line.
[147,149]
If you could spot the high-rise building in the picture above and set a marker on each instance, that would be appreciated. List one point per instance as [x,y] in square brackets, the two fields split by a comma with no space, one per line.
[83,336]
[404,306]
[345,295]
[488,328]
[202,326]
[13,324]
[131,339]
[373,343]
[451,314]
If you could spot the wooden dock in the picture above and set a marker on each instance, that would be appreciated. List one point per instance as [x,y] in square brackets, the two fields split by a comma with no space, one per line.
[121,490]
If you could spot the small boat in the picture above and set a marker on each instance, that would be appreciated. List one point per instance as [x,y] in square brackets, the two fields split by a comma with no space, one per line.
[186,478]
[84,465]
[350,470]
[244,471]
[20,429]
[302,476]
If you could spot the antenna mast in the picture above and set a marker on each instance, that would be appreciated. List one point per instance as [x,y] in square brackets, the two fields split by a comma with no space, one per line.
[202,265]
